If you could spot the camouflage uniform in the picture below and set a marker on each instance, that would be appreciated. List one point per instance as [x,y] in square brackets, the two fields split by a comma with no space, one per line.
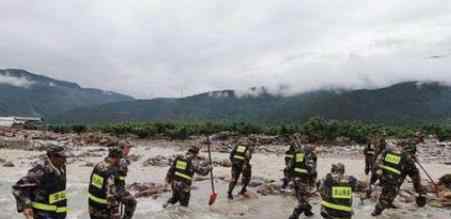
[374,148]
[125,198]
[369,153]
[36,185]
[104,207]
[180,176]
[240,158]
[336,193]
[288,157]
[392,168]
[302,169]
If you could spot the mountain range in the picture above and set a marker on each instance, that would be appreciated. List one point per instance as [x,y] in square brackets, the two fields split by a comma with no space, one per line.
[24,93]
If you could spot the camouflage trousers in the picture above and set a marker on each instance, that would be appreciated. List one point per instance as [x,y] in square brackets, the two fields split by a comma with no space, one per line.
[302,189]
[42,215]
[369,164]
[181,192]
[240,169]
[387,196]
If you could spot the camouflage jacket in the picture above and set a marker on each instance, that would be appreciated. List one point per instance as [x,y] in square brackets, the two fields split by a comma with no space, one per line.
[407,167]
[28,187]
[112,188]
[326,183]
[310,163]
[198,167]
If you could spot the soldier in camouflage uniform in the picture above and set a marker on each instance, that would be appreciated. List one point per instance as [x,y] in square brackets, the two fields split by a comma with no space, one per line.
[41,193]
[104,197]
[125,198]
[240,158]
[180,176]
[336,191]
[376,145]
[288,157]
[392,168]
[302,170]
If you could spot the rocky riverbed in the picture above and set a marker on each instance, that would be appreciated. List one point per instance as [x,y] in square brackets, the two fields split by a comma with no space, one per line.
[150,160]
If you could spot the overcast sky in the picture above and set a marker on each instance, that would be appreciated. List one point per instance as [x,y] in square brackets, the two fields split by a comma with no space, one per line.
[152,48]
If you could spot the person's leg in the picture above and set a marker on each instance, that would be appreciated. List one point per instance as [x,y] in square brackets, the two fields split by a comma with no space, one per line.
[236,171]
[388,195]
[174,198]
[247,174]
[286,178]
[184,198]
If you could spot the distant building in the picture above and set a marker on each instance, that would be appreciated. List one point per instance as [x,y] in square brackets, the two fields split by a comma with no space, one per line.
[21,122]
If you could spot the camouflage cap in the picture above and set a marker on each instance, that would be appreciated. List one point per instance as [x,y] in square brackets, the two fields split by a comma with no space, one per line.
[115,152]
[56,150]
[338,168]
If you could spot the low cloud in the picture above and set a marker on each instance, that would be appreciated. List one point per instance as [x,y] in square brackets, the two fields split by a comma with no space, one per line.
[164,48]
[15,81]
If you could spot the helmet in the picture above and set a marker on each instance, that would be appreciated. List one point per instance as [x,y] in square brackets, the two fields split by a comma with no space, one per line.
[115,152]
[194,150]
[56,150]
[338,168]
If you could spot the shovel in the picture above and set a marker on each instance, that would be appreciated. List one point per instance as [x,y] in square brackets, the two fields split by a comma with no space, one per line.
[213,194]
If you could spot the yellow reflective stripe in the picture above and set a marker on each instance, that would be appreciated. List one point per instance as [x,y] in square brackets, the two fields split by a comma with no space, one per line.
[181,165]
[390,169]
[46,207]
[239,157]
[393,158]
[241,149]
[299,170]
[336,207]
[342,192]
[62,210]
[300,157]
[98,200]
[183,175]
[122,178]
[289,156]
[97,181]
[56,197]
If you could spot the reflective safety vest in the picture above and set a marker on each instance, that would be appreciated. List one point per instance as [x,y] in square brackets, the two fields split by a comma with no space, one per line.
[391,164]
[51,197]
[97,187]
[239,153]
[339,201]
[299,169]
[183,170]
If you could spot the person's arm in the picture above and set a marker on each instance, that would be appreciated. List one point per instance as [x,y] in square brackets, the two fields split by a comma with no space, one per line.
[377,171]
[24,188]
[170,174]
[200,169]
[111,192]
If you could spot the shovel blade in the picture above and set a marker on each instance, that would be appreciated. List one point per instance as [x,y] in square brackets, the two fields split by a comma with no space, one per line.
[213,197]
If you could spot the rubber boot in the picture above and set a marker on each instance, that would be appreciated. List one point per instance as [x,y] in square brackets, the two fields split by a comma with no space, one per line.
[377,211]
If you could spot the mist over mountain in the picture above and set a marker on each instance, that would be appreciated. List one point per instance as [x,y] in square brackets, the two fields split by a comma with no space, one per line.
[26,94]
[399,103]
